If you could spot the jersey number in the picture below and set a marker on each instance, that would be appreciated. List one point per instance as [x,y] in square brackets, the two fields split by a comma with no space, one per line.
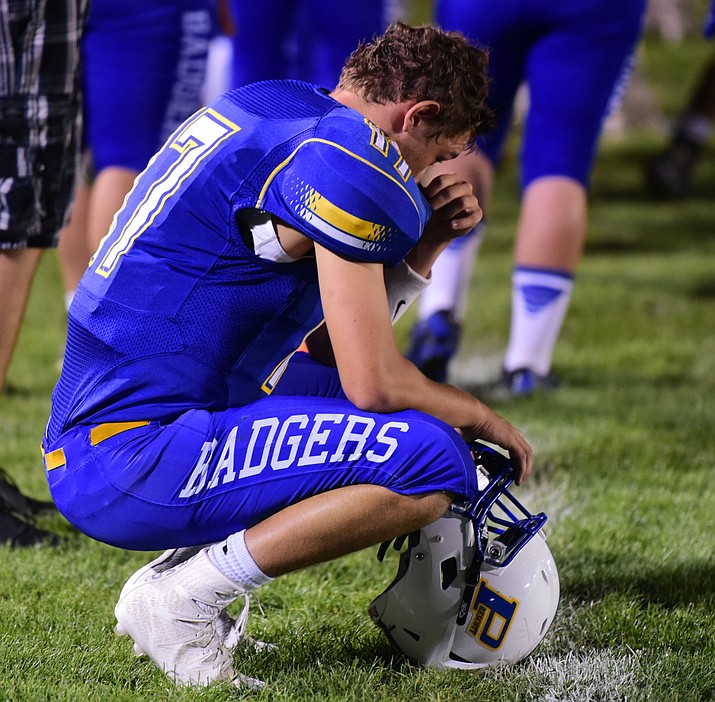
[206,130]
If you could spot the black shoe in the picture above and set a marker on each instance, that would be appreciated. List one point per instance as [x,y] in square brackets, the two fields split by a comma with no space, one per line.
[13,500]
[669,175]
[18,533]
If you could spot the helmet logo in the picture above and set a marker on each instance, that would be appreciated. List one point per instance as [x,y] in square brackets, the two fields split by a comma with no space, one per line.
[493,615]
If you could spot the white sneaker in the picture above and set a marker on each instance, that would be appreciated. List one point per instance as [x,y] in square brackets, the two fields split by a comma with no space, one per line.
[233,631]
[173,610]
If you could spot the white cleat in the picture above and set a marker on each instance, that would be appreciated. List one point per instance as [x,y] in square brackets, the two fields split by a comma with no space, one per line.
[174,610]
[233,631]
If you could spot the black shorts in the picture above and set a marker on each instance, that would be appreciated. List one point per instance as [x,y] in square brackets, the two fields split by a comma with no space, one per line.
[40,118]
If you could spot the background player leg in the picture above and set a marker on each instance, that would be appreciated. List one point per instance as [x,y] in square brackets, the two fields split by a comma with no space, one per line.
[670,173]
[73,249]
[17,269]
[550,239]
[435,336]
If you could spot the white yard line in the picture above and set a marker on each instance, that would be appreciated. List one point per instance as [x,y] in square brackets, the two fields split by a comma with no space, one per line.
[590,676]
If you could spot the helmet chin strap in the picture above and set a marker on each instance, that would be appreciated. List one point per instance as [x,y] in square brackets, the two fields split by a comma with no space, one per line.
[471,578]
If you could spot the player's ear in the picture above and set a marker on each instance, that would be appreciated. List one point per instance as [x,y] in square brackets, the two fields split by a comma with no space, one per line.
[419,113]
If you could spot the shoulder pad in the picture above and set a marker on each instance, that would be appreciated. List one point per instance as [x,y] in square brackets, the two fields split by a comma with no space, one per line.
[347,187]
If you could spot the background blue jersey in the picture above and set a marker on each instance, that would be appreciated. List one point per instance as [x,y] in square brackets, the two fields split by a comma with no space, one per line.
[309,39]
[176,311]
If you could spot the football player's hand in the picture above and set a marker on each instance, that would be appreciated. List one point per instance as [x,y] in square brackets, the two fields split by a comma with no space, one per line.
[456,209]
[497,430]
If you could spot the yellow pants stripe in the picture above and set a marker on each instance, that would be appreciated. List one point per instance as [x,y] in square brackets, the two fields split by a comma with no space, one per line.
[102,432]
[55,459]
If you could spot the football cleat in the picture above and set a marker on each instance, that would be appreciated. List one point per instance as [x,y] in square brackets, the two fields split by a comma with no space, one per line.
[524,381]
[18,533]
[476,588]
[434,342]
[174,610]
[669,175]
[17,502]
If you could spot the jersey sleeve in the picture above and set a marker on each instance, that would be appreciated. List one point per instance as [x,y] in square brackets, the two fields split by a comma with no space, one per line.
[354,197]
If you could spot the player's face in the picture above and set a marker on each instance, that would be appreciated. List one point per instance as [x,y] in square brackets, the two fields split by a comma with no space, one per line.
[420,153]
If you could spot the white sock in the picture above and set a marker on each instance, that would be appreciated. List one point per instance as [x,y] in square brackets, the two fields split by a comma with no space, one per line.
[451,274]
[232,558]
[540,298]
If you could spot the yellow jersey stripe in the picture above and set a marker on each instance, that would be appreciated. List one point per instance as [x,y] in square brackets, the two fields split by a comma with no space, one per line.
[339,218]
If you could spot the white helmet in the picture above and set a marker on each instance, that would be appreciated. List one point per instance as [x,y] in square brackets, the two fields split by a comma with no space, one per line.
[462,602]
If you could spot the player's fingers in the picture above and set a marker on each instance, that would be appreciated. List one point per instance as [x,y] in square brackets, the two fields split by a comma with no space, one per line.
[522,458]
[466,219]
[443,189]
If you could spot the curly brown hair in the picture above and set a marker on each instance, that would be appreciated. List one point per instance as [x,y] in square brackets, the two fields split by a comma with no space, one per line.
[424,63]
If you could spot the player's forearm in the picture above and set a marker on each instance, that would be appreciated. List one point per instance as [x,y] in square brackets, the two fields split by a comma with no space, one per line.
[391,384]
[423,255]
[411,389]
[463,411]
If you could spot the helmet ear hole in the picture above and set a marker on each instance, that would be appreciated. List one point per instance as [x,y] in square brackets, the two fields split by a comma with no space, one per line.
[449,572]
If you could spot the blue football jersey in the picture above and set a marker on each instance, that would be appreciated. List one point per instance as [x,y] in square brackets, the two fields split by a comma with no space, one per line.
[175,310]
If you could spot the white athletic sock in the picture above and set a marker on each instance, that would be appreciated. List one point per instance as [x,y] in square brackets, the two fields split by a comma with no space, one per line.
[540,298]
[232,558]
[451,274]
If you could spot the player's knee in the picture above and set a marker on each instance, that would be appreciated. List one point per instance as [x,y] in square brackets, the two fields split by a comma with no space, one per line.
[413,512]
[432,506]
[437,460]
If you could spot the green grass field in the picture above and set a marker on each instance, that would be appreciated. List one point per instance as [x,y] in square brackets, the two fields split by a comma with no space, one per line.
[625,468]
